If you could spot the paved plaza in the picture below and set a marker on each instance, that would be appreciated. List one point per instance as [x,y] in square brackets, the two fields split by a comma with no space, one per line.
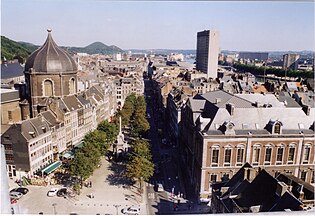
[110,196]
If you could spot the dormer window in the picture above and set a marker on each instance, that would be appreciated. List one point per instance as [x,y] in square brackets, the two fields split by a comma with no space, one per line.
[32,133]
[277,128]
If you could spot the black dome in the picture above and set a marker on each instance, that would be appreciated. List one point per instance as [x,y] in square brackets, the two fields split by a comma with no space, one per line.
[50,58]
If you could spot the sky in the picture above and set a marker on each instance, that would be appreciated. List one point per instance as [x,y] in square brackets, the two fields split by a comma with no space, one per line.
[243,25]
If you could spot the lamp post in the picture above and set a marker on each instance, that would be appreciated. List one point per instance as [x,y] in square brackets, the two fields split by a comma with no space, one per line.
[54,206]
[116,206]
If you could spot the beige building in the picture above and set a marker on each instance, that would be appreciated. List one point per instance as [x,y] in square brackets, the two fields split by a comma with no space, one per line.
[10,107]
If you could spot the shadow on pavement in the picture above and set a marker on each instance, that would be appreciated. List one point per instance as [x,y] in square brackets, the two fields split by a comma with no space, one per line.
[117,176]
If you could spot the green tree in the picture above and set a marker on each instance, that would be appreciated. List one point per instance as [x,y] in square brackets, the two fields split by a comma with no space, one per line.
[110,130]
[140,148]
[98,139]
[139,169]
[139,125]
[81,166]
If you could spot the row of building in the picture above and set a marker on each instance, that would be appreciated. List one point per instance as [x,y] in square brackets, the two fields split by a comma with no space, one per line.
[48,115]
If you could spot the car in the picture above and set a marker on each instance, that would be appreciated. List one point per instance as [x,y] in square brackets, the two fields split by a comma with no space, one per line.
[52,192]
[62,192]
[132,210]
[159,187]
[15,195]
[20,189]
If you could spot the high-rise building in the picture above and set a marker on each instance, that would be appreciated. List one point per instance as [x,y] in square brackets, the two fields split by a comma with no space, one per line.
[208,52]
[290,61]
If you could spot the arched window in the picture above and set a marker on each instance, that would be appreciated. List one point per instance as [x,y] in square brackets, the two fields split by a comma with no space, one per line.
[72,86]
[48,88]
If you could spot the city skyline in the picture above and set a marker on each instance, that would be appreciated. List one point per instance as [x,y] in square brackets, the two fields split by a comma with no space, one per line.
[249,26]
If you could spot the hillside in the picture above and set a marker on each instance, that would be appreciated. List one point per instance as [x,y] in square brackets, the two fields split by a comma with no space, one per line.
[11,49]
[95,48]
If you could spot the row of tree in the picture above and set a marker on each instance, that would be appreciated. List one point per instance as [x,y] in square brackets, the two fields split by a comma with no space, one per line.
[277,72]
[133,114]
[95,144]
[139,166]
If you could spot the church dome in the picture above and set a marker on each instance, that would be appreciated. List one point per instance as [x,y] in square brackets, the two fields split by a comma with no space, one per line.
[50,58]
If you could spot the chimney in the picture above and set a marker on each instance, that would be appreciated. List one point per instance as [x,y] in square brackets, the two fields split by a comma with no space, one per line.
[249,174]
[281,188]
[307,110]
[230,108]
[218,100]
[301,193]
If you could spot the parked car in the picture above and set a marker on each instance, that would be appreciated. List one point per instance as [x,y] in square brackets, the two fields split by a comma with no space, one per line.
[52,192]
[15,195]
[62,192]
[20,189]
[132,210]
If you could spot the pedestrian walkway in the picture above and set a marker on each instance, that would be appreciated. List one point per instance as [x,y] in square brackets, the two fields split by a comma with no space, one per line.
[109,191]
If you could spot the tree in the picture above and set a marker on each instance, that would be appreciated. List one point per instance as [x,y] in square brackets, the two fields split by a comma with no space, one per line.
[140,125]
[81,166]
[140,148]
[98,139]
[140,169]
[110,130]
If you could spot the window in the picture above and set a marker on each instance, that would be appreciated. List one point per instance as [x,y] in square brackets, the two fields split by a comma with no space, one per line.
[256,154]
[48,88]
[277,128]
[306,154]
[280,154]
[240,155]
[10,115]
[213,177]
[291,154]
[227,155]
[72,86]
[215,155]
[268,154]
[312,179]
[303,175]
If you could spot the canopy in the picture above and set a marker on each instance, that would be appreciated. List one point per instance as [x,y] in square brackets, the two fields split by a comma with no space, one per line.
[51,167]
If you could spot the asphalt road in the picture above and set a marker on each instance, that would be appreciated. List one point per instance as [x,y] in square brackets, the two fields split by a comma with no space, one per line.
[164,157]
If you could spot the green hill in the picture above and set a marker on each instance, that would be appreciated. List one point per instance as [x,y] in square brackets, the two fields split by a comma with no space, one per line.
[21,50]
[96,48]
[11,49]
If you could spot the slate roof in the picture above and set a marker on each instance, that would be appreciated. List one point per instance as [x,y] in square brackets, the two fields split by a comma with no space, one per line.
[287,100]
[50,58]
[50,118]
[261,191]
[247,117]
[11,70]
[72,103]
[8,95]
[34,127]
[262,99]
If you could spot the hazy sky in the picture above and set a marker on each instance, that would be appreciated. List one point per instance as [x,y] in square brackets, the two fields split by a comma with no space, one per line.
[244,25]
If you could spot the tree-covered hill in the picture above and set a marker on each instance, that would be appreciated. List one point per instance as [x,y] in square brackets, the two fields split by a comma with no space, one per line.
[11,49]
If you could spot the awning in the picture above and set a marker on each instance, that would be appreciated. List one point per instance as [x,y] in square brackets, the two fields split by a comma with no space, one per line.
[68,155]
[80,145]
[51,167]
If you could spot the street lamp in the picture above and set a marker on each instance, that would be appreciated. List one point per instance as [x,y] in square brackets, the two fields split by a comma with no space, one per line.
[116,206]
[54,206]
